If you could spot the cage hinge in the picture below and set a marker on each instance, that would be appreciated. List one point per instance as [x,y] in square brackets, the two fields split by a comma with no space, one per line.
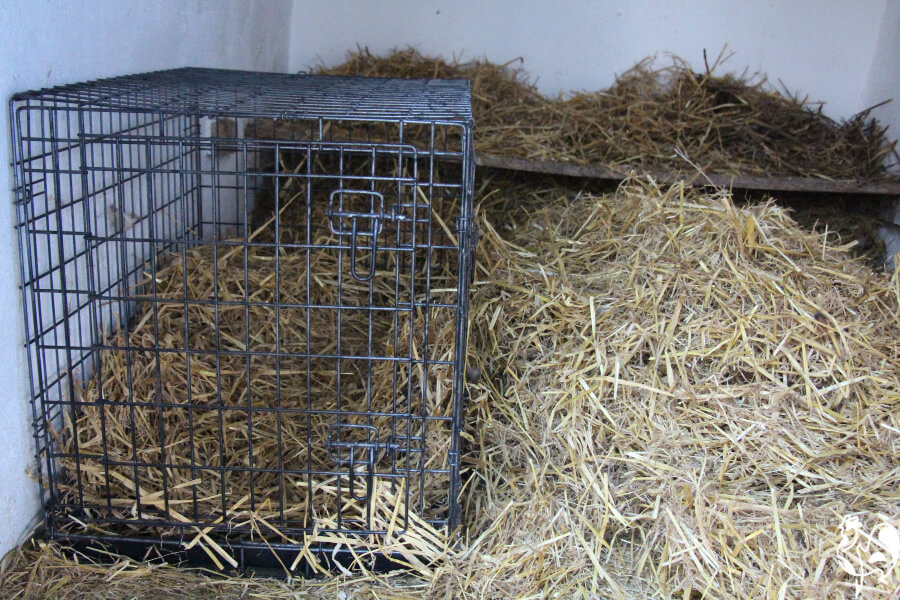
[21,196]
[468,228]
[468,240]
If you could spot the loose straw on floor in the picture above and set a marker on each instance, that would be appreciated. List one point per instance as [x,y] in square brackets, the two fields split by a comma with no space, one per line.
[678,398]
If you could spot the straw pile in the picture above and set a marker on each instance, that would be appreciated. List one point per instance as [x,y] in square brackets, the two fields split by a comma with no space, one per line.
[714,389]
[679,398]
[728,124]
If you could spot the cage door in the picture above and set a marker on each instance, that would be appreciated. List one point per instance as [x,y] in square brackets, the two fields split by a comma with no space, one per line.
[367,239]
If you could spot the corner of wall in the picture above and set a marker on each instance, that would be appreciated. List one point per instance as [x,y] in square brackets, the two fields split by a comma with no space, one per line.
[292,47]
[883,81]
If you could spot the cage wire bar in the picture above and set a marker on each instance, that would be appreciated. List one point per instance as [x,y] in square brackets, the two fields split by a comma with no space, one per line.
[297,251]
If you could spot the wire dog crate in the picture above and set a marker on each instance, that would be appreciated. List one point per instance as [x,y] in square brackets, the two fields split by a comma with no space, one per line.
[246,303]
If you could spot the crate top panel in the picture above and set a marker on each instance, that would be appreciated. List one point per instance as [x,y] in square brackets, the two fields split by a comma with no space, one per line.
[216,92]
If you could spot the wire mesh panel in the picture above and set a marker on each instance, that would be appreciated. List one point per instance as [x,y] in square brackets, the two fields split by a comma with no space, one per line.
[246,299]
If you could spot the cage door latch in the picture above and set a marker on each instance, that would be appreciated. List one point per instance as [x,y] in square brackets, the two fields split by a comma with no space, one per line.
[357,214]
[356,447]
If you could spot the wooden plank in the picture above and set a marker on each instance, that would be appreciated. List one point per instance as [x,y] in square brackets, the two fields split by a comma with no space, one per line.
[747,182]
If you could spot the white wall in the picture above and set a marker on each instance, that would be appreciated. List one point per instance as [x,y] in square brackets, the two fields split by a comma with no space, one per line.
[822,48]
[883,79]
[49,42]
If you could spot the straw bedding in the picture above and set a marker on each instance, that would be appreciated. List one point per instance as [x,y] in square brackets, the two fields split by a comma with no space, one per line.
[679,398]
[190,429]
[660,108]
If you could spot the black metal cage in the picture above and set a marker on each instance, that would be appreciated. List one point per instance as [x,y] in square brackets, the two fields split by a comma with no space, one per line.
[246,301]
